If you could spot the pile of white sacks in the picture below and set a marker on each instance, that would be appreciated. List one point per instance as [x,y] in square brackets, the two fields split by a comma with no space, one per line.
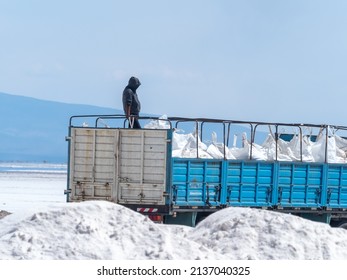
[190,146]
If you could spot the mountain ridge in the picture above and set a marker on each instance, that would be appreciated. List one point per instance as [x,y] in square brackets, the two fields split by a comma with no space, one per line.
[34,129]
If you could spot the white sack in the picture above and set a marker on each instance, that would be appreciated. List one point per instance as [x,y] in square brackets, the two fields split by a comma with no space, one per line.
[161,123]
[214,152]
[240,153]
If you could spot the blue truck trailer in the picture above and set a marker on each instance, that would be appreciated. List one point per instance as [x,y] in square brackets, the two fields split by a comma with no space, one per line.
[136,168]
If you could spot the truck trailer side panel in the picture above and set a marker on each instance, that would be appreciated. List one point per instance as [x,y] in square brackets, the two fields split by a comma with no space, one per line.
[141,166]
[206,183]
[119,165]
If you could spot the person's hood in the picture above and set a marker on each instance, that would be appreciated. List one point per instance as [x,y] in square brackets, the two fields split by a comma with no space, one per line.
[134,83]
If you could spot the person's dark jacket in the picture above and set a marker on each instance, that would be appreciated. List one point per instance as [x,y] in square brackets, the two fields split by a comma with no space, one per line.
[130,97]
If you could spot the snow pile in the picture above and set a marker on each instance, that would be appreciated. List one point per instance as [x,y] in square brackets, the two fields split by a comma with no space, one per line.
[190,146]
[103,230]
[93,230]
[244,233]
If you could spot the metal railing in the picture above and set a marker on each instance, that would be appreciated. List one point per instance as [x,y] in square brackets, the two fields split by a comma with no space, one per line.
[199,125]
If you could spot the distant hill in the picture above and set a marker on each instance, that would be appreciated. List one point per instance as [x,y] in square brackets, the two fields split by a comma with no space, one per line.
[34,130]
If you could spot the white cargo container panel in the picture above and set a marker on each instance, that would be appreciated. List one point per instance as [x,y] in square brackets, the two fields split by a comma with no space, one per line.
[121,165]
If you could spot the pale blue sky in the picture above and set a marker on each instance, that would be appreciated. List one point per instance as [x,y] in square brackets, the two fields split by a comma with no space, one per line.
[259,60]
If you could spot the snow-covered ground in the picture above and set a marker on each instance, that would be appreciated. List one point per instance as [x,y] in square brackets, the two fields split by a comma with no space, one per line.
[31,186]
[43,226]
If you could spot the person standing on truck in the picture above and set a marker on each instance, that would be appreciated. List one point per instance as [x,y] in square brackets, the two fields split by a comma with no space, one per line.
[131,103]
